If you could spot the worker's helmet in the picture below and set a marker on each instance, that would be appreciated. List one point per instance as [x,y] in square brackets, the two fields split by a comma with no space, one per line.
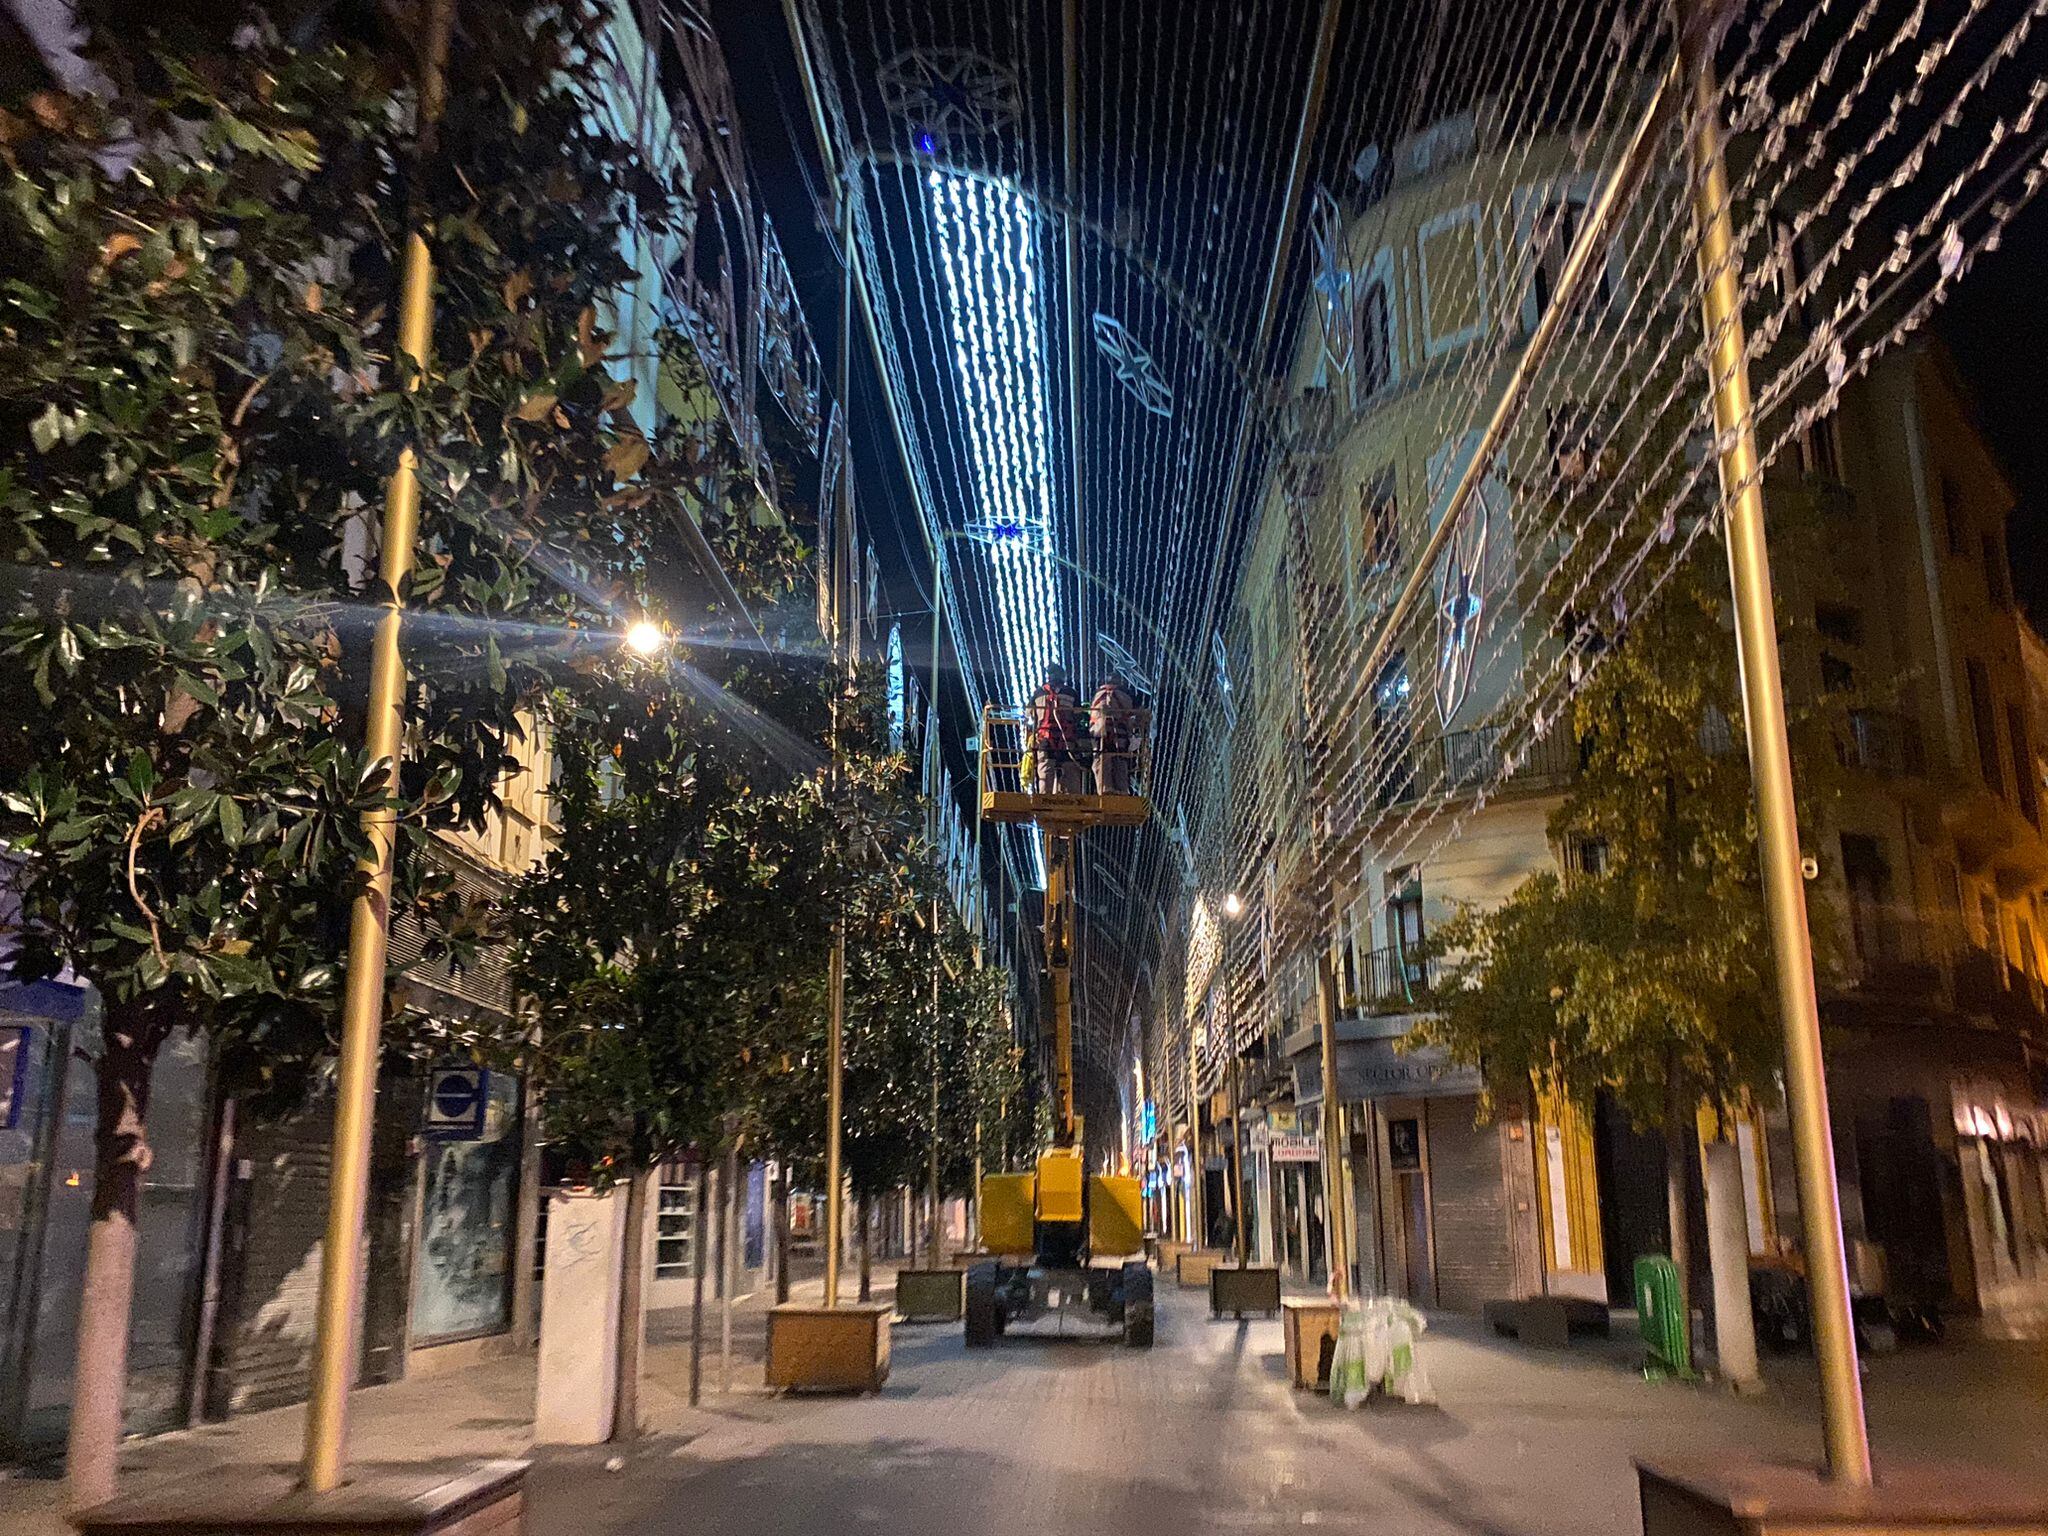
[1055,676]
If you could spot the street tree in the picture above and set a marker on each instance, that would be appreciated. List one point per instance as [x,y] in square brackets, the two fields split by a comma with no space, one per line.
[1642,968]
[200,404]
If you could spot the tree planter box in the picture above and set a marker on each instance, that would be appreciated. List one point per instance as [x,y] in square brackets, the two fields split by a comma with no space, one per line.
[1254,1288]
[828,1349]
[1305,1323]
[1193,1266]
[1168,1255]
[1729,1497]
[425,1499]
[931,1295]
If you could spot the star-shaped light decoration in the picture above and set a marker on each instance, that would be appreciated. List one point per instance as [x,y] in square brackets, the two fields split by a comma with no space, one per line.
[1461,606]
[1133,365]
[949,92]
[1123,663]
[1332,281]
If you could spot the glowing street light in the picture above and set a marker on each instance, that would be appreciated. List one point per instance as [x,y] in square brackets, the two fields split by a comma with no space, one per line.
[646,638]
[1233,905]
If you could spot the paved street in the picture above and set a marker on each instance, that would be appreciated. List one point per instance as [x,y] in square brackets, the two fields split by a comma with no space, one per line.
[1043,1436]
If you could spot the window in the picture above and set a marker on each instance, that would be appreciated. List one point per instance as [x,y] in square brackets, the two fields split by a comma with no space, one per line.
[1404,918]
[1838,622]
[1987,914]
[1373,363]
[1588,856]
[1379,528]
[1986,724]
[2023,768]
[1868,876]
[1841,630]
[1997,578]
[1950,496]
[675,1223]
[1451,277]
[1556,228]
[1820,454]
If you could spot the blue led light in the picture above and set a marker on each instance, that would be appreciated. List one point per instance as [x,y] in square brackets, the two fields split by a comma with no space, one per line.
[926,143]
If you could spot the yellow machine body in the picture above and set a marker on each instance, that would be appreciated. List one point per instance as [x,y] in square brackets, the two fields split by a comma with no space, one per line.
[1061,1179]
[1008,1212]
[1116,1215]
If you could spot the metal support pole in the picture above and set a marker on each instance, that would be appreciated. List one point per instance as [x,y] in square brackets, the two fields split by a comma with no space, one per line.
[1244,1229]
[932,1153]
[1770,762]
[1336,1219]
[339,1311]
[1198,1230]
[835,1062]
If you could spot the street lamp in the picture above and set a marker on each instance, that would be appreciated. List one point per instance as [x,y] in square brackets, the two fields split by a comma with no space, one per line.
[645,638]
[1233,906]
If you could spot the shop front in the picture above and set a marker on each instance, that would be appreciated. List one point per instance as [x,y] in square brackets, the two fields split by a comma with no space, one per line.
[1444,1208]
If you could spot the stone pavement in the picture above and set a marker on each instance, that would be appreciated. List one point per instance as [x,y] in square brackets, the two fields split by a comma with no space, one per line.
[1047,1436]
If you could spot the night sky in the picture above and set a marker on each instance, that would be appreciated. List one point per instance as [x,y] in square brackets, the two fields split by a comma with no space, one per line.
[1994,325]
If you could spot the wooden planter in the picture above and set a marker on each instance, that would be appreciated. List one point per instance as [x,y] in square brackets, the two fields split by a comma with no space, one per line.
[1193,1266]
[428,1499]
[931,1295]
[1305,1322]
[1254,1288]
[1729,1496]
[828,1349]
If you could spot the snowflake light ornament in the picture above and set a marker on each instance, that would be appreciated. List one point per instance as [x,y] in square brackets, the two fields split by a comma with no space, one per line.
[1461,606]
[1132,365]
[949,92]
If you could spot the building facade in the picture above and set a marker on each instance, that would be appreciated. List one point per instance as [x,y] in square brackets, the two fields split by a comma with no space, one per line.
[1933,853]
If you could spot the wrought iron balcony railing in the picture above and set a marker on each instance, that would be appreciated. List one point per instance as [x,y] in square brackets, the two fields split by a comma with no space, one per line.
[1460,762]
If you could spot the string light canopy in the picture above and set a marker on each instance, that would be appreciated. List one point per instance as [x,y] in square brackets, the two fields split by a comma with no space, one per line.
[1312,241]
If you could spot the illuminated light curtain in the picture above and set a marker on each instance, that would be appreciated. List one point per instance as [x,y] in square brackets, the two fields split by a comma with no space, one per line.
[995,311]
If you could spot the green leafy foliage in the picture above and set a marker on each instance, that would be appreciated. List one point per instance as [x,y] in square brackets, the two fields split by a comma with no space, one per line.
[1650,953]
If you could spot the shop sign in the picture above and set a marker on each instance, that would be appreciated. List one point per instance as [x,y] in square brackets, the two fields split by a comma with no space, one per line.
[1293,1147]
[457,1098]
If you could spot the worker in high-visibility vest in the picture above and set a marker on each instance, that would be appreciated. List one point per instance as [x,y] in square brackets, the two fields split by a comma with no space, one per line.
[1054,717]
[1112,722]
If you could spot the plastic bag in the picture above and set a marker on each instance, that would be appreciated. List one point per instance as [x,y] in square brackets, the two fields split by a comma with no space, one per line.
[1376,1352]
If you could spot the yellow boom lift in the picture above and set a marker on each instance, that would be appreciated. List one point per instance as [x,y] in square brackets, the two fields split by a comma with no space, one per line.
[1063,1240]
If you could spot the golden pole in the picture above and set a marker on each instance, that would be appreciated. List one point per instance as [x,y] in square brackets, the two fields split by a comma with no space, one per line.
[839,576]
[1770,762]
[1336,1213]
[339,1310]
[1198,1230]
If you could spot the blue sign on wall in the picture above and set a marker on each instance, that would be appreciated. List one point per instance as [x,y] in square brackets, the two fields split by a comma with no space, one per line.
[456,1100]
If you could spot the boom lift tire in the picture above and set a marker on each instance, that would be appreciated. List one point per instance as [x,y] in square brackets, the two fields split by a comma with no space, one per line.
[984,1315]
[1137,1278]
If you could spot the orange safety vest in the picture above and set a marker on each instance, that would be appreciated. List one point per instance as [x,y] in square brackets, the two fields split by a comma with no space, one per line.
[1052,717]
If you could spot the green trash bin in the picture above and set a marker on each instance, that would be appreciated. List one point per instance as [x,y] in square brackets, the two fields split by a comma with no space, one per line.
[1667,1331]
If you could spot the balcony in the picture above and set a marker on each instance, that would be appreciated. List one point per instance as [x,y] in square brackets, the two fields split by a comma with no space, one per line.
[1879,742]
[1986,984]
[1389,980]
[1461,762]
[1897,954]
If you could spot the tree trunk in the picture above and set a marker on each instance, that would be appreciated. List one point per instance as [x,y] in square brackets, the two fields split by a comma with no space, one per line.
[632,1307]
[728,1258]
[1678,1126]
[864,1208]
[121,1156]
[782,1234]
[1728,1256]
[700,1253]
